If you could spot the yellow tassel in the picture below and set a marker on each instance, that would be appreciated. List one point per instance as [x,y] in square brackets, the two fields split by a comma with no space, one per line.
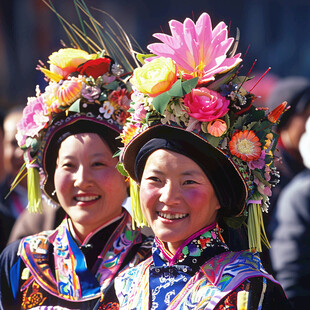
[242,300]
[137,215]
[256,230]
[34,190]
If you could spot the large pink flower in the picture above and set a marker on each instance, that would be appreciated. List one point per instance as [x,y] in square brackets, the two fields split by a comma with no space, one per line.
[35,117]
[206,105]
[197,49]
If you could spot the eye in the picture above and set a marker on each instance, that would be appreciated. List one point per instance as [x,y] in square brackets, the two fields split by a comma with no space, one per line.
[98,164]
[67,164]
[189,182]
[154,179]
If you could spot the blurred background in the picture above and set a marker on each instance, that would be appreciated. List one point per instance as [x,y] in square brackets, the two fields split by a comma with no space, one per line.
[276,32]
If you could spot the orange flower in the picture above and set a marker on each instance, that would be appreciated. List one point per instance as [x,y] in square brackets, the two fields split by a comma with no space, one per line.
[217,127]
[129,131]
[245,145]
[69,91]
[274,115]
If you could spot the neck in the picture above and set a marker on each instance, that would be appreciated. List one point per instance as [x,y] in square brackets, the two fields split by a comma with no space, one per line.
[83,233]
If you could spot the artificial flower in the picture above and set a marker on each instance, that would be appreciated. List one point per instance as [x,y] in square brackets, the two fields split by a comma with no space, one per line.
[275,114]
[197,49]
[90,92]
[262,189]
[245,145]
[69,91]
[140,112]
[129,131]
[120,97]
[50,95]
[34,119]
[155,77]
[217,127]
[64,62]
[107,109]
[258,163]
[95,67]
[206,105]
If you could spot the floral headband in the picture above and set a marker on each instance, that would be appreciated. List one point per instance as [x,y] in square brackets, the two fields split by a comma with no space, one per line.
[192,81]
[79,85]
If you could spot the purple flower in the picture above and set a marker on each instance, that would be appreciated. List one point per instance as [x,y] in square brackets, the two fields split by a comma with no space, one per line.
[91,93]
[259,163]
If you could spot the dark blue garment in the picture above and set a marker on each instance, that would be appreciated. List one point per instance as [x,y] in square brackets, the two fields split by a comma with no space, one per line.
[290,246]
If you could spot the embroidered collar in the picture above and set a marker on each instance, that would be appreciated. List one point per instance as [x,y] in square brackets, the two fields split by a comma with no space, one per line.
[201,246]
[74,281]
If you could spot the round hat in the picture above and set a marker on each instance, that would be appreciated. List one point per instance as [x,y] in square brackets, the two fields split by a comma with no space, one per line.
[190,89]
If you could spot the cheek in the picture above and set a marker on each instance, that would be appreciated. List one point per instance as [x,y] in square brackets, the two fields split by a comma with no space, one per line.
[62,183]
[148,199]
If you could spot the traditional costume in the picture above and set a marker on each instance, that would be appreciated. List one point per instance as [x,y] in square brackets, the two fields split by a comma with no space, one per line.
[188,99]
[86,93]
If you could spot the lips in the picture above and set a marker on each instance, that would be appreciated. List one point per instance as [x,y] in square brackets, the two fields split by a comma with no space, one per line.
[172,216]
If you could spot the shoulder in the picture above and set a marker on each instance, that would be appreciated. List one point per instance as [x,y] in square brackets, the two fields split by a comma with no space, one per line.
[263,293]
[10,254]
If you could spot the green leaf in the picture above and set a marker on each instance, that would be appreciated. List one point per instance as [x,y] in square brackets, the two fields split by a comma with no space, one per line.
[112,86]
[121,169]
[235,222]
[188,85]
[176,89]
[142,57]
[75,106]
[117,153]
[214,141]
[160,102]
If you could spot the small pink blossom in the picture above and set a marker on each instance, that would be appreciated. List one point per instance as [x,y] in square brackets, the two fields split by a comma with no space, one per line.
[206,105]
[262,189]
[35,117]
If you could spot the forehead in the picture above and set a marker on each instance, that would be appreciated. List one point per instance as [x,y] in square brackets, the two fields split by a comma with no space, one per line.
[174,162]
[87,142]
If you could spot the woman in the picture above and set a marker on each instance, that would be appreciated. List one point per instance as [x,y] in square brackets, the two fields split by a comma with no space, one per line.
[68,135]
[202,155]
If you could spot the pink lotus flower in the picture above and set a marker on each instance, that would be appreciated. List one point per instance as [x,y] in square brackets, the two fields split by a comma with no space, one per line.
[35,118]
[206,105]
[197,49]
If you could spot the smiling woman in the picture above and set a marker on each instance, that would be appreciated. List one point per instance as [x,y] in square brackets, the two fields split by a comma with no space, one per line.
[68,135]
[193,181]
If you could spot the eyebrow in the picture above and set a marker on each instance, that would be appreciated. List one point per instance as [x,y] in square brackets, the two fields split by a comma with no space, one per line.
[185,173]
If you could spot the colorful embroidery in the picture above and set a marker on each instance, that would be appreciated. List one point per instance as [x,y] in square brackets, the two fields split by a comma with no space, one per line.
[32,297]
[211,286]
[73,280]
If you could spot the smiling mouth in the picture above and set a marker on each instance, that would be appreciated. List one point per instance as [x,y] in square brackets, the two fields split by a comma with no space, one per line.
[86,198]
[170,216]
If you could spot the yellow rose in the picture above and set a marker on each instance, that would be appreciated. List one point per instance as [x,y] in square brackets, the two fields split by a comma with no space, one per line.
[155,77]
[64,62]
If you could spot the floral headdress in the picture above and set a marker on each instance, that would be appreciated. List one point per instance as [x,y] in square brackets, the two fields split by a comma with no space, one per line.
[191,82]
[82,86]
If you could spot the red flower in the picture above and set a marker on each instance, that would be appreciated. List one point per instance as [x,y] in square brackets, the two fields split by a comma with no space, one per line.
[95,67]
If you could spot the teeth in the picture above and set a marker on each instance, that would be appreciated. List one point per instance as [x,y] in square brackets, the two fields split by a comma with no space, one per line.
[86,198]
[174,216]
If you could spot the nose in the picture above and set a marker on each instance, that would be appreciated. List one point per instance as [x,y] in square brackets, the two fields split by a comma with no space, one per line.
[170,194]
[82,177]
